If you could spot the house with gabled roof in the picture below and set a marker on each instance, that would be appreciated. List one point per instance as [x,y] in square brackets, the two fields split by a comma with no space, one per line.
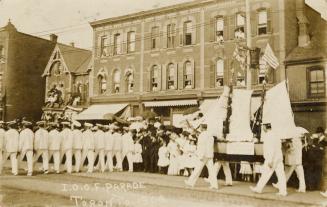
[67,78]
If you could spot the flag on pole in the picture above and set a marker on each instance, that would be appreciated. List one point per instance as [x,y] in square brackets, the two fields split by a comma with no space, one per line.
[270,58]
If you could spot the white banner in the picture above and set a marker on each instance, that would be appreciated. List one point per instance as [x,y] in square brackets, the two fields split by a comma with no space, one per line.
[240,148]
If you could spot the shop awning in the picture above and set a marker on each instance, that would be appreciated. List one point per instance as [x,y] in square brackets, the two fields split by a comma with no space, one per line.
[191,102]
[97,111]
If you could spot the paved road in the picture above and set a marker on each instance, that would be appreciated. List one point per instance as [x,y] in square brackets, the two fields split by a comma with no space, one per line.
[139,189]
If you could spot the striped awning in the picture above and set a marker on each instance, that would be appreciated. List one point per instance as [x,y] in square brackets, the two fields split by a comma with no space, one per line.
[191,102]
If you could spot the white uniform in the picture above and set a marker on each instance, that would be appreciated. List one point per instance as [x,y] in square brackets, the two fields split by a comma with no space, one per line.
[2,141]
[128,148]
[67,147]
[205,155]
[272,152]
[26,139]
[77,148]
[174,155]
[163,156]
[117,149]
[109,144]
[137,156]
[99,137]
[41,142]
[54,148]
[88,149]
[11,148]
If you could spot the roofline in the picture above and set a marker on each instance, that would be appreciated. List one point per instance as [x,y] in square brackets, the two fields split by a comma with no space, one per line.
[77,48]
[142,14]
[305,61]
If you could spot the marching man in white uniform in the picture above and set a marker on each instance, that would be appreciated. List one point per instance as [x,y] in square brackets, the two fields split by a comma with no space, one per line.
[205,154]
[77,144]
[2,146]
[26,139]
[128,148]
[88,147]
[41,142]
[11,146]
[67,145]
[272,152]
[117,147]
[109,143]
[99,146]
[54,146]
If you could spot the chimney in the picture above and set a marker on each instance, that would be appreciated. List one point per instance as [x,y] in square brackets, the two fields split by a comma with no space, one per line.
[53,38]
[72,44]
[303,38]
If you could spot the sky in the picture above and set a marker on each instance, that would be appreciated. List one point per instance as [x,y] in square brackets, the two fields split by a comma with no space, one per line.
[69,19]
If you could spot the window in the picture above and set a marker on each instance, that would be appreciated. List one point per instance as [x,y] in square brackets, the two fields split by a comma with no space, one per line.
[117,44]
[171,76]
[188,75]
[102,84]
[262,22]
[116,81]
[263,67]
[57,68]
[155,78]
[240,26]
[2,53]
[240,78]
[188,33]
[130,82]
[131,42]
[171,35]
[219,29]
[220,73]
[104,46]
[154,37]
[317,81]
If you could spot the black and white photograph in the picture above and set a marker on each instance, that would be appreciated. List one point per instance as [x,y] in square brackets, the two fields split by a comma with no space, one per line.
[165,103]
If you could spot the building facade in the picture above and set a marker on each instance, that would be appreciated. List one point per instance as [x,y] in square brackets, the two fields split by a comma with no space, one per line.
[22,60]
[306,69]
[67,79]
[169,58]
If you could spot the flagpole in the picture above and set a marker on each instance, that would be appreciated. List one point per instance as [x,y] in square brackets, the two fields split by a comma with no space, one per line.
[248,44]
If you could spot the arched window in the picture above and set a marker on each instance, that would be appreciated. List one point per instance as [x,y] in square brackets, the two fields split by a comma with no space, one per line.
[102,84]
[188,75]
[129,77]
[171,76]
[155,78]
[116,81]
[219,73]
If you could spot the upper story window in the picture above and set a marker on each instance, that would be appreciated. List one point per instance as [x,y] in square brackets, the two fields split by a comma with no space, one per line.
[102,81]
[117,44]
[154,37]
[219,73]
[155,78]
[171,33]
[129,77]
[240,78]
[219,29]
[116,81]
[262,22]
[57,68]
[188,75]
[171,76]
[240,26]
[317,82]
[104,46]
[130,41]
[263,67]
[188,28]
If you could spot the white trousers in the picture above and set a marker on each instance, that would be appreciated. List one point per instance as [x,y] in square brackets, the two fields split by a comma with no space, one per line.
[89,154]
[129,156]
[101,162]
[29,159]
[267,173]
[226,169]
[56,159]
[118,155]
[14,162]
[77,155]
[198,169]
[299,173]
[109,162]
[45,158]
[68,161]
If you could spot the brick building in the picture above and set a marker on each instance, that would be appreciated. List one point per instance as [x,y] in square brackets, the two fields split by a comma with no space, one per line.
[22,60]
[306,69]
[169,58]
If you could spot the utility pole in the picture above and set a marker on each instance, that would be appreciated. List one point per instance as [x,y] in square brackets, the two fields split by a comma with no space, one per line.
[248,44]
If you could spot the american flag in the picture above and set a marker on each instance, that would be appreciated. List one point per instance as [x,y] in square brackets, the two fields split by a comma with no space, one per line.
[270,58]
